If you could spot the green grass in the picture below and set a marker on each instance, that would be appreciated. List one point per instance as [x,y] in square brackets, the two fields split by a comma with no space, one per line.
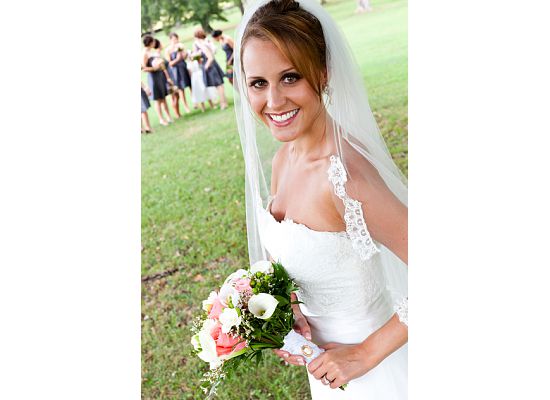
[193,218]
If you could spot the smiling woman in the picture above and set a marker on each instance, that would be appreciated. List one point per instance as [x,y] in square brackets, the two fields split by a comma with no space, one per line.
[278,94]
[324,197]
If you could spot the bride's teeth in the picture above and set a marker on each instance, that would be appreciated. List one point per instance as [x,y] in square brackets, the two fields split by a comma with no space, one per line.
[284,117]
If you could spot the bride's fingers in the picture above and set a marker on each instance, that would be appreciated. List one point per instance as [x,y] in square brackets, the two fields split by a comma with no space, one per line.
[281,353]
[337,383]
[316,367]
[320,372]
[302,327]
[290,358]
[296,360]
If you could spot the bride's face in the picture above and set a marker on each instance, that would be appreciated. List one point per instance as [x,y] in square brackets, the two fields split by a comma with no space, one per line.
[278,94]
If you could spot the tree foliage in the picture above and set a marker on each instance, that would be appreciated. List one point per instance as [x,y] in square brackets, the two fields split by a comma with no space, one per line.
[174,12]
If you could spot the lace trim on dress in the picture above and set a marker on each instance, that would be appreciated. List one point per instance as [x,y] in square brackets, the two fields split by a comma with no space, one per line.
[353,214]
[402,310]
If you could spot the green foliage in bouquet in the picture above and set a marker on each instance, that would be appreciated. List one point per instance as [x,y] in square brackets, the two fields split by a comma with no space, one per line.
[282,319]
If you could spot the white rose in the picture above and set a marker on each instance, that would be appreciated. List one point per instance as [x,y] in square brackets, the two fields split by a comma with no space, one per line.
[229,318]
[207,304]
[262,266]
[262,305]
[207,344]
[227,292]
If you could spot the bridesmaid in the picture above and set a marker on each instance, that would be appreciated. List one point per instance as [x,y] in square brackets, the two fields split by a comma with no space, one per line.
[176,53]
[227,46]
[168,72]
[157,80]
[213,74]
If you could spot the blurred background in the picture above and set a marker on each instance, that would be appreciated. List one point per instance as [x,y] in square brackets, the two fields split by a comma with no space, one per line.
[193,217]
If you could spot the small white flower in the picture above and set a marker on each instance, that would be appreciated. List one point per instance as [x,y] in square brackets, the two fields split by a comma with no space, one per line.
[262,305]
[262,266]
[229,318]
[227,292]
[207,304]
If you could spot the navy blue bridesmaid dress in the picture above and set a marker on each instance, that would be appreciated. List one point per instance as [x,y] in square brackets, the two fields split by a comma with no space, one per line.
[157,82]
[182,79]
[212,76]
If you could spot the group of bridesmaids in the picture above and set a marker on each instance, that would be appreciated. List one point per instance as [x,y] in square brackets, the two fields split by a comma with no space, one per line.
[171,73]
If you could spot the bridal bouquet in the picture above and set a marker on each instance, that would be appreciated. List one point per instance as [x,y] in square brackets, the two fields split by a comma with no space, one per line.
[251,312]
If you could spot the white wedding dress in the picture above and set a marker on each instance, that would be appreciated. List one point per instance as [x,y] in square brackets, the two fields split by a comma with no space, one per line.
[342,288]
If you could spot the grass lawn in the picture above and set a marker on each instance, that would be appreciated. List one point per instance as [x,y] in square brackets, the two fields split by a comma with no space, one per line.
[193,218]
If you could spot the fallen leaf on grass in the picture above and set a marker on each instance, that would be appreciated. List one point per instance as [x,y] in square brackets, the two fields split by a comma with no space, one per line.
[198,278]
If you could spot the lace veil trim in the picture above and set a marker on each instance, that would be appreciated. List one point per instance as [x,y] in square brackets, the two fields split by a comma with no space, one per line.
[402,310]
[353,214]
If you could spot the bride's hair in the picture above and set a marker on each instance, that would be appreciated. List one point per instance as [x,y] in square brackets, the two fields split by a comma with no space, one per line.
[296,33]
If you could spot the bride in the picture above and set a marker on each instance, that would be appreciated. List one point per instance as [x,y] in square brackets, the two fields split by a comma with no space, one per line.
[324,197]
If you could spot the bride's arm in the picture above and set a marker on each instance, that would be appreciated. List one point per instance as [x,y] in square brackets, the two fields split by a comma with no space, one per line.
[386,218]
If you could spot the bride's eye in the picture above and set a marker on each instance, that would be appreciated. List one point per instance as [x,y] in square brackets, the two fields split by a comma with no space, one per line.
[258,83]
[291,78]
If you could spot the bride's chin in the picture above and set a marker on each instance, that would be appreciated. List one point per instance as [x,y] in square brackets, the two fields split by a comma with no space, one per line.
[284,136]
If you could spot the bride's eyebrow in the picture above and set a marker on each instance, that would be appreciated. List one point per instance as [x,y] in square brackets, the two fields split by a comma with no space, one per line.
[280,73]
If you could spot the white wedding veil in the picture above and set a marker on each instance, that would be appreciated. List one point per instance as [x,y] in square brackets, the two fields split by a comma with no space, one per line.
[353,122]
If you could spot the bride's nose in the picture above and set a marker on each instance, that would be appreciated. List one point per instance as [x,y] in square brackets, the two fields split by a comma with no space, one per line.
[275,98]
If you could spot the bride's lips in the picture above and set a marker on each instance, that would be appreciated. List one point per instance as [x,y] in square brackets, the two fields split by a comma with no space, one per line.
[283,119]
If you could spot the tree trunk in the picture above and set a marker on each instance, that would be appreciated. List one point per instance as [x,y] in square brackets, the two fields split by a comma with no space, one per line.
[240,5]
[205,24]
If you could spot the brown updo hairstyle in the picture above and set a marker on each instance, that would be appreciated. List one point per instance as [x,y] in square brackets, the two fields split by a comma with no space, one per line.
[296,33]
[199,33]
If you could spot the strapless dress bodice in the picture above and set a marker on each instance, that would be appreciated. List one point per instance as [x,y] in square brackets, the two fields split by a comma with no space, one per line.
[334,280]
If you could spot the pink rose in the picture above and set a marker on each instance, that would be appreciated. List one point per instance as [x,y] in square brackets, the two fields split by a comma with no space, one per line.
[226,343]
[242,285]
[217,308]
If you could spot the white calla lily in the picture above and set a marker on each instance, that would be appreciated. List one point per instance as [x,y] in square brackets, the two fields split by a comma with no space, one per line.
[229,318]
[262,266]
[262,305]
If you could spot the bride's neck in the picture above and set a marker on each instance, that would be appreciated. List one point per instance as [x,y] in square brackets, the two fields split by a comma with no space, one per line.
[314,144]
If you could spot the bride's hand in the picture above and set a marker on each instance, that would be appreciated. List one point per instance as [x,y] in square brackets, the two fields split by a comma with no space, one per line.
[302,327]
[340,363]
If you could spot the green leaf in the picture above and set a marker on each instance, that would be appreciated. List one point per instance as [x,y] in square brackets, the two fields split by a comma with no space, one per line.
[282,300]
